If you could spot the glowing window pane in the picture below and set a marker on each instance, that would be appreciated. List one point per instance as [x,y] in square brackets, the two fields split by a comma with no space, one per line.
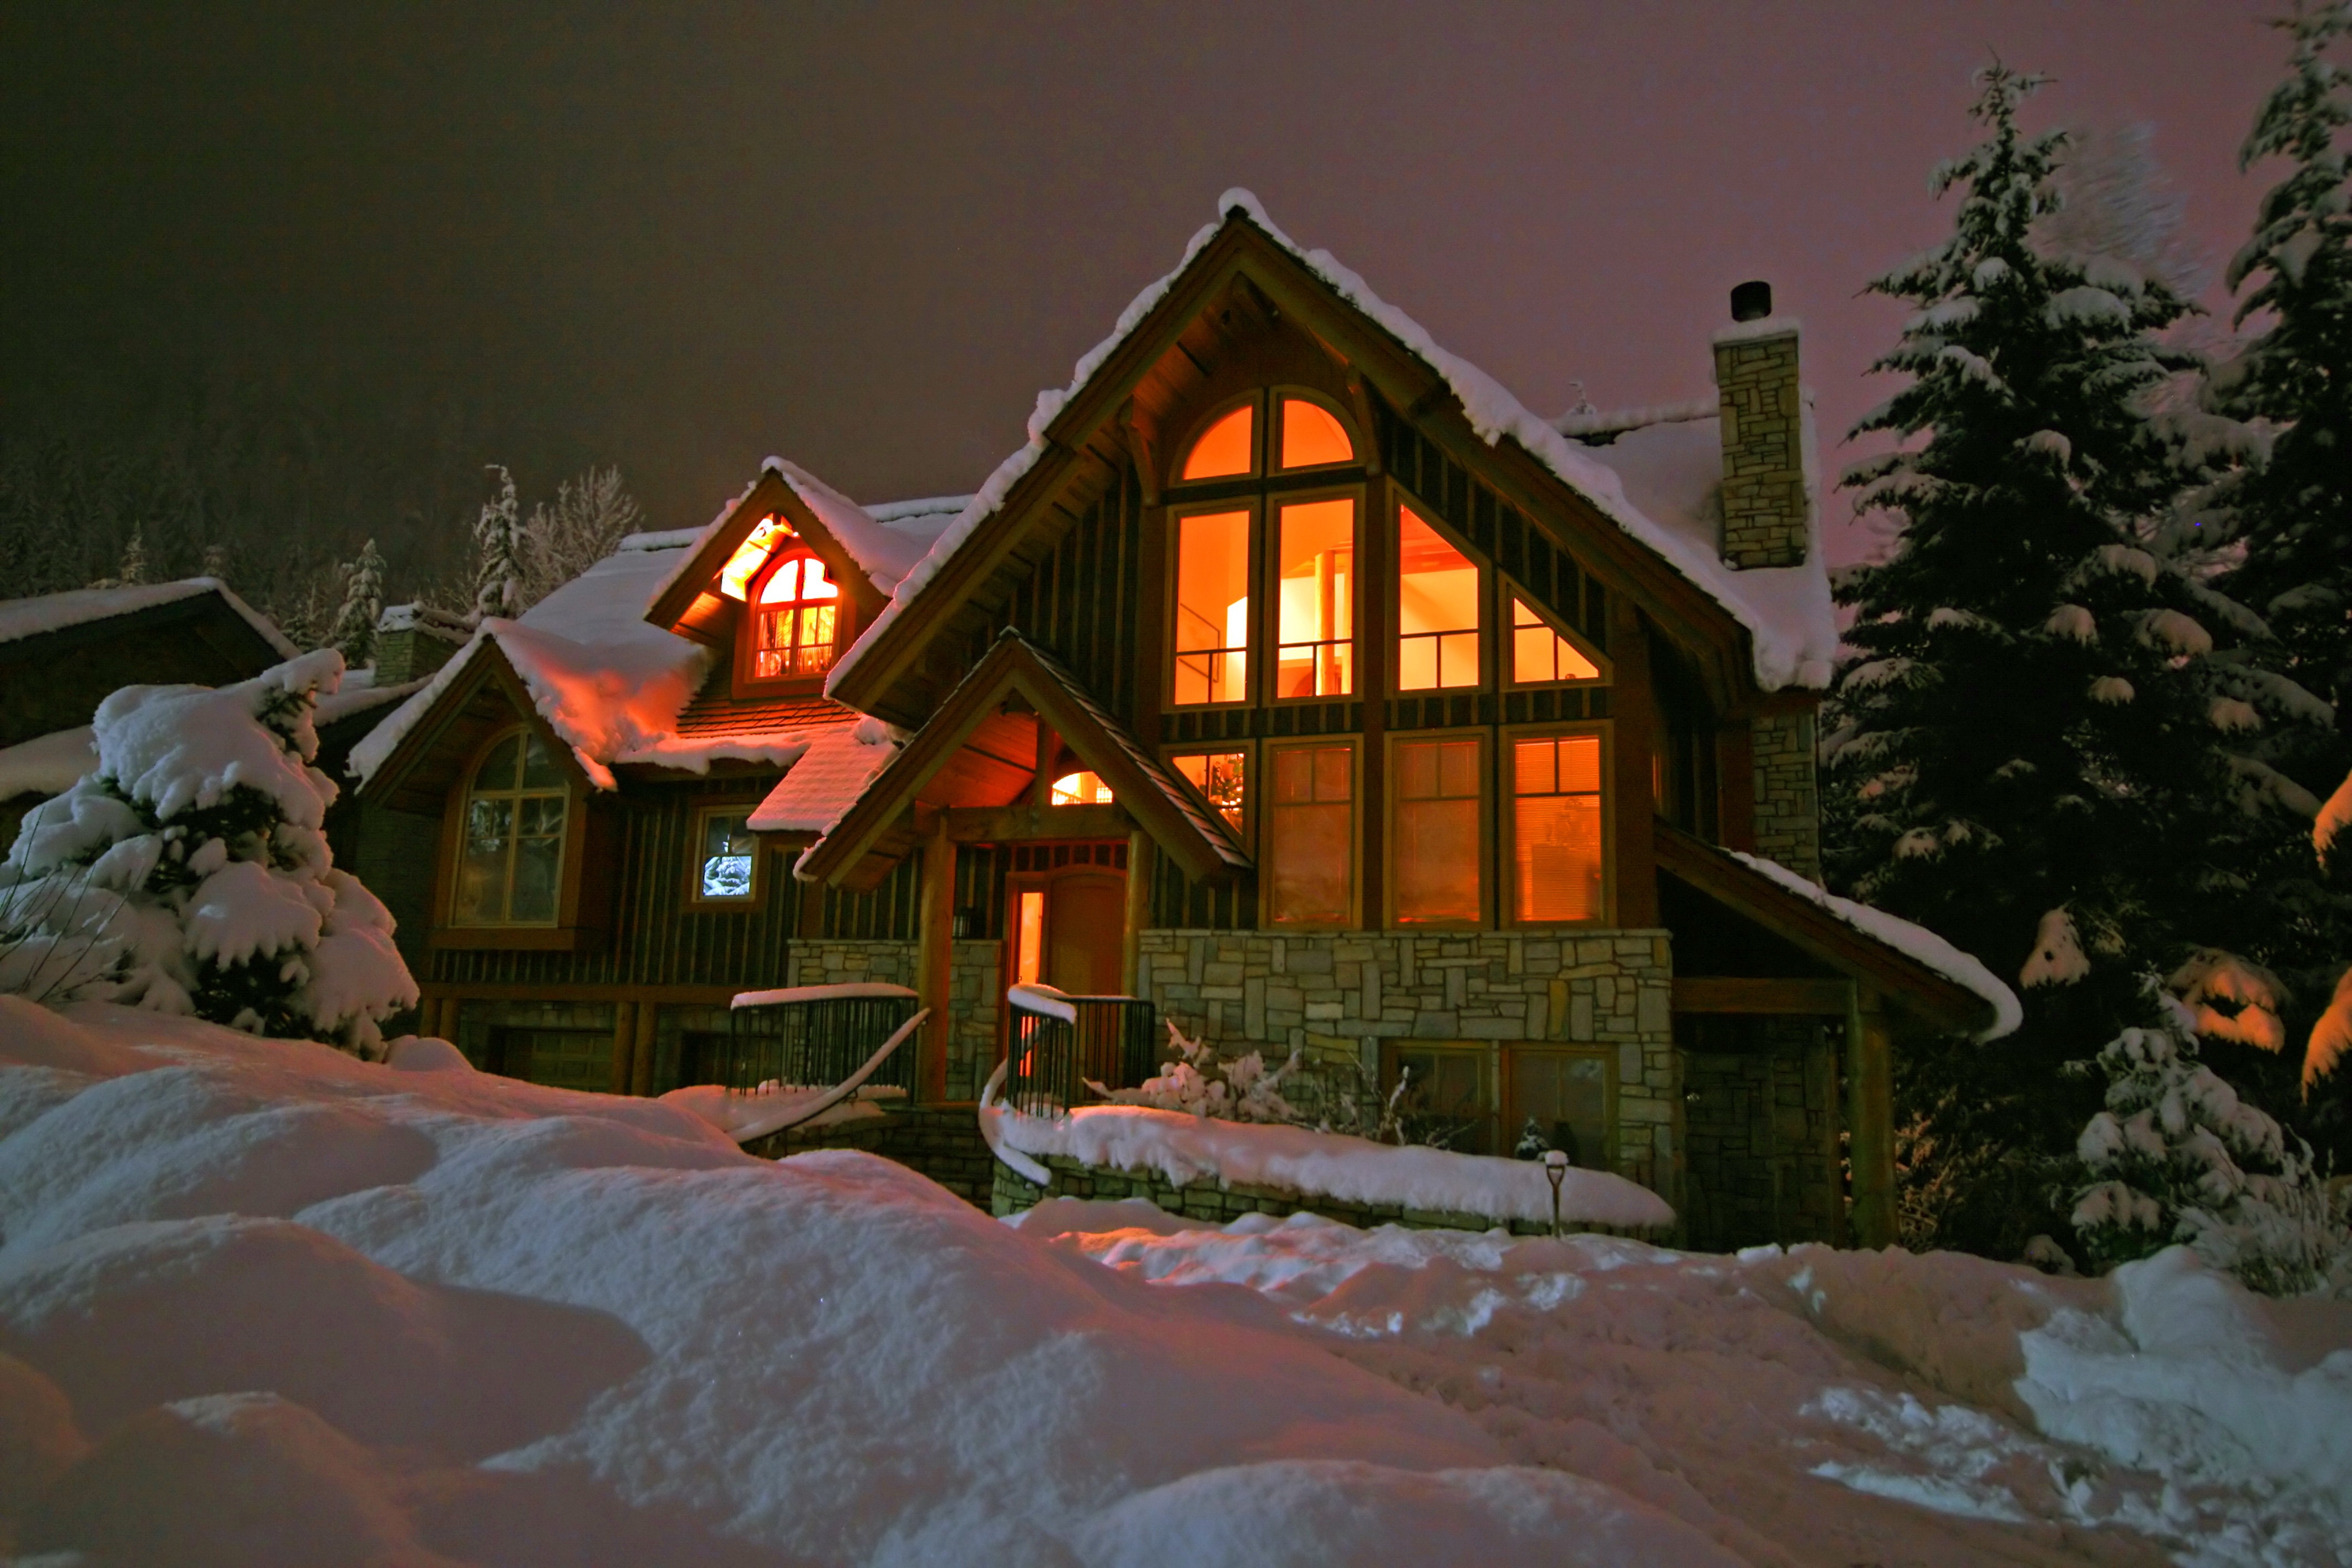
[1540,653]
[1220,777]
[1435,847]
[1225,447]
[795,632]
[1029,936]
[1556,828]
[1315,656]
[1310,436]
[1312,840]
[1082,789]
[1437,609]
[1212,607]
[728,856]
[734,578]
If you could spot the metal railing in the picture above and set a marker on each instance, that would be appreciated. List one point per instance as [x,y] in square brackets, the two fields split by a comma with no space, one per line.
[816,1041]
[1059,1043]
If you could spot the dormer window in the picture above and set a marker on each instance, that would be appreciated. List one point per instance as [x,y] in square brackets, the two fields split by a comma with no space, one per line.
[795,618]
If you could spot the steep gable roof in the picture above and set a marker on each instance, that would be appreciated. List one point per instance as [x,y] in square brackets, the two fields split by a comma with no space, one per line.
[1788,640]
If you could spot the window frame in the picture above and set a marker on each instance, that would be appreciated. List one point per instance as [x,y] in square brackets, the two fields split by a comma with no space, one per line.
[1488,1056]
[1489,601]
[747,638]
[449,929]
[1507,1084]
[1272,415]
[1354,918]
[1506,903]
[1506,653]
[1252,631]
[1246,832]
[1260,451]
[1269,526]
[1392,797]
[696,899]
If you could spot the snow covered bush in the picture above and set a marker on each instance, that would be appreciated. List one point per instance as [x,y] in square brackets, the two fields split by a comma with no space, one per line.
[2179,1157]
[189,872]
[1202,1082]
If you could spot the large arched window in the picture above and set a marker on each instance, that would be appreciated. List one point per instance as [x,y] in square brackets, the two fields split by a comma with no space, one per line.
[511,867]
[797,619]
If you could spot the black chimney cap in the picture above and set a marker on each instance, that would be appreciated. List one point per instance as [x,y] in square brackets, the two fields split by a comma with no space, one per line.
[1751,300]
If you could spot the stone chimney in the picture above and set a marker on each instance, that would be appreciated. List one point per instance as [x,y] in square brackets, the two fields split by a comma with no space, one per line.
[1764,511]
[411,642]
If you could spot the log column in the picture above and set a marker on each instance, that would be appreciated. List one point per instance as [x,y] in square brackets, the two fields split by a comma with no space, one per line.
[1138,911]
[641,1050]
[1870,1118]
[625,1045]
[935,960]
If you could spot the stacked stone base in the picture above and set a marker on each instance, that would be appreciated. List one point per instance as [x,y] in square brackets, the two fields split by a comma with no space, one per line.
[942,1142]
[1220,1203]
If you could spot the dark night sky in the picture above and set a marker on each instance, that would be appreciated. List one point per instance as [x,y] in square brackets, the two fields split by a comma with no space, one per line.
[866,238]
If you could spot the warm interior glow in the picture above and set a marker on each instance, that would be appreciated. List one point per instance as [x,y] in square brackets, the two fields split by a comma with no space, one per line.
[1310,436]
[735,577]
[1029,936]
[1310,842]
[1315,651]
[1224,448]
[1212,607]
[1540,653]
[1081,789]
[1435,854]
[1437,609]
[798,622]
[1221,779]
[1556,827]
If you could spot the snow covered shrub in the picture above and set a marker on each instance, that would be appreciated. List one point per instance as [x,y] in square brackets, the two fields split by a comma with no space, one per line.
[190,873]
[2179,1157]
[1202,1082]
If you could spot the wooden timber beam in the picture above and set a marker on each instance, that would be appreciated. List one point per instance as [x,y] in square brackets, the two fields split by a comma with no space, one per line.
[1823,997]
[1023,824]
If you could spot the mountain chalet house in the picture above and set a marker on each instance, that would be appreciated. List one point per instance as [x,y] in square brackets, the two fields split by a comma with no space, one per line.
[1292,677]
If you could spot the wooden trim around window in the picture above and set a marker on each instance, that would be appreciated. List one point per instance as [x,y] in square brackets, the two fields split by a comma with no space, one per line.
[1357,437]
[1506,823]
[1487,860]
[1266,752]
[568,931]
[1493,607]
[1252,781]
[1504,680]
[1254,673]
[760,854]
[1507,1071]
[1268,611]
[747,629]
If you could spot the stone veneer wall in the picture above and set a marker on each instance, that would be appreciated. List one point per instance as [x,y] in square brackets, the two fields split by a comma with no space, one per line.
[973,985]
[1341,994]
[1788,793]
[1761,1125]
[942,1141]
[1766,518]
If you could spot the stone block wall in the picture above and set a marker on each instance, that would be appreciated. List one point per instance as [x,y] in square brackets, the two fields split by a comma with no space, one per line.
[476,1020]
[1788,793]
[1339,995]
[1761,1126]
[942,1142]
[1766,519]
[975,985]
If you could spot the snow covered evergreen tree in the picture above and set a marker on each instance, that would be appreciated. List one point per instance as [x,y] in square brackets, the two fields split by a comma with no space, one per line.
[190,873]
[354,634]
[2176,1156]
[2022,756]
[497,552]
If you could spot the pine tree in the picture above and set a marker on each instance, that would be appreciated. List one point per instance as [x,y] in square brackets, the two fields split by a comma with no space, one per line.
[2021,757]
[133,569]
[189,872]
[497,552]
[2288,516]
[355,630]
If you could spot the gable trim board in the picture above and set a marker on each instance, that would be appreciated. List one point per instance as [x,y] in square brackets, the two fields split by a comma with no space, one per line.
[1016,666]
[481,664]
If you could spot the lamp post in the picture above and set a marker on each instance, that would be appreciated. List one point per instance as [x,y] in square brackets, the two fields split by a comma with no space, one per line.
[1556,1170]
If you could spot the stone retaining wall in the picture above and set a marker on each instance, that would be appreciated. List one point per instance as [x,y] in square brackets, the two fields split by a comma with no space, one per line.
[975,986]
[942,1141]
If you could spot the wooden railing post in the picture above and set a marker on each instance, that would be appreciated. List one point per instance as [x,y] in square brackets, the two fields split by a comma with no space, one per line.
[935,960]
[1870,1118]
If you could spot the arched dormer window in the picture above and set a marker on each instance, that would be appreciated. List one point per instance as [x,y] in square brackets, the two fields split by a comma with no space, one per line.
[1306,434]
[510,863]
[795,618]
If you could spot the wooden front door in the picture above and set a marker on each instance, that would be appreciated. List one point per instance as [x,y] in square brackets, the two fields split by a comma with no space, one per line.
[1068,930]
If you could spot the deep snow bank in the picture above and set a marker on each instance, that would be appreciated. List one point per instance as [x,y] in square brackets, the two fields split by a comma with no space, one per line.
[261,1302]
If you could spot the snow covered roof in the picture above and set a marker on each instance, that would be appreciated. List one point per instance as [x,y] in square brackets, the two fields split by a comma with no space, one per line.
[885,553]
[48,765]
[21,619]
[826,781]
[1792,630]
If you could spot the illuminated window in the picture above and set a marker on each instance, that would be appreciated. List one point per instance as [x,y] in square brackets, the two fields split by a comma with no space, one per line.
[1029,936]
[799,616]
[1540,654]
[727,857]
[1223,779]
[1224,448]
[1556,827]
[1212,607]
[1081,789]
[1435,854]
[735,577]
[1310,436]
[1437,609]
[1311,838]
[1315,656]
[511,863]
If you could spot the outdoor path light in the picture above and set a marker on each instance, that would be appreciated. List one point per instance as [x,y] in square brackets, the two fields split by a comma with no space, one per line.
[1555,1168]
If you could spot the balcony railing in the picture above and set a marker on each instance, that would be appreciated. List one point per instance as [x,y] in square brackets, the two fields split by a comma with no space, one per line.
[815,1036]
[1059,1043]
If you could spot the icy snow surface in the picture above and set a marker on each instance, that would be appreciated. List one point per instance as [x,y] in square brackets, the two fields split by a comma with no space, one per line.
[1916,940]
[263,1303]
[840,761]
[55,612]
[48,765]
[1187,1149]
[1788,613]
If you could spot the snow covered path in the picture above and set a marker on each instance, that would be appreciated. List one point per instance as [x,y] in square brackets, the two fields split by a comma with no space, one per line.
[261,1303]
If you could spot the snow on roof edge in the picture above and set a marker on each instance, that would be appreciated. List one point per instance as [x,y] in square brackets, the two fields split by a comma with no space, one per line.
[103,604]
[1915,941]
